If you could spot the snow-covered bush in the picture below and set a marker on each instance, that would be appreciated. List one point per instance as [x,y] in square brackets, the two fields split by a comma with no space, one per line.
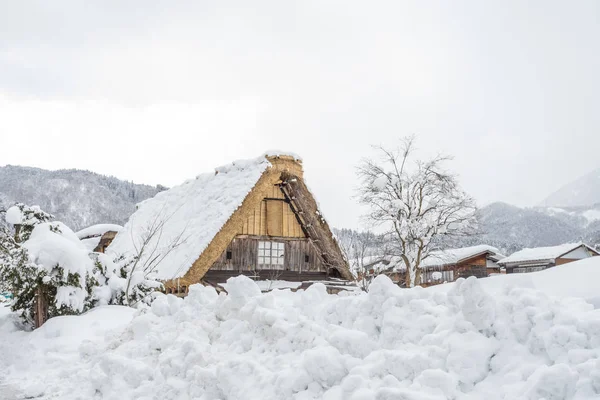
[127,286]
[45,262]
[24,218]
[17,274]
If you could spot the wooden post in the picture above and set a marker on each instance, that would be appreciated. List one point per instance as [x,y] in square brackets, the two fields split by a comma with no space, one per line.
[41,308]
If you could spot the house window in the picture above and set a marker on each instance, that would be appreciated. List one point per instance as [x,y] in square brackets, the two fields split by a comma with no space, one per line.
[306,258]
[228,255]
[270,255]
[434,276]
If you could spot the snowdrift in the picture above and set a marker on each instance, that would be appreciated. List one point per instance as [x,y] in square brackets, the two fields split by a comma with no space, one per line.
[475,339]
[579,279]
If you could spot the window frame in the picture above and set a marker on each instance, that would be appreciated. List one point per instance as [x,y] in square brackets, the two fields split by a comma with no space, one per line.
[270,254]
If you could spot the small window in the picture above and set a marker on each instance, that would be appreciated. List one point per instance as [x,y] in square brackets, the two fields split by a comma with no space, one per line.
[306,258]
[271,254]
[228,255]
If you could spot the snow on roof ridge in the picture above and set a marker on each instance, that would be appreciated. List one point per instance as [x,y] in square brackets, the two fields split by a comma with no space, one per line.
[541,253]
[280,153]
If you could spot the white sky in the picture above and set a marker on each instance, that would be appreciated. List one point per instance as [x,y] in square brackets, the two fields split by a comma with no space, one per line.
[157,92]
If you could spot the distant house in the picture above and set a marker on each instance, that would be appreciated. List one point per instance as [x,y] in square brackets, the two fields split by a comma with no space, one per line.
[252,217]
[539,258]
[451,264]
[440,266]
[98,237]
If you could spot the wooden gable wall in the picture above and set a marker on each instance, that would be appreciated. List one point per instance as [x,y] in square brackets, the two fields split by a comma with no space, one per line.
[272,217]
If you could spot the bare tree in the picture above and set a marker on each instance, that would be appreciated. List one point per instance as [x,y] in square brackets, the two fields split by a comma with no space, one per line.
[150,249]
[417,201]
[363,250]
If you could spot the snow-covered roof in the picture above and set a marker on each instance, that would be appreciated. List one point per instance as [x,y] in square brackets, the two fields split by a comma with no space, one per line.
[195,210]
[91,243]
[541,253]
[454,256]
[97,230]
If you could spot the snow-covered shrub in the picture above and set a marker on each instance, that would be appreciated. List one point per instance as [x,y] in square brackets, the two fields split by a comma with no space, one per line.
[17,274]
[128,287]
[24,218]
[46,259]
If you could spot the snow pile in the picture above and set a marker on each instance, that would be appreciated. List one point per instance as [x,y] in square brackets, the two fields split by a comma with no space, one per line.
[40,362]
[269,284]
[98,230]
[540,253]
[462,342]
[576,279]
[195,211]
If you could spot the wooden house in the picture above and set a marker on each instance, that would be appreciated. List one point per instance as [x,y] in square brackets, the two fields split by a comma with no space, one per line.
[98,237]
[540,258]
[451,264]
[252,217]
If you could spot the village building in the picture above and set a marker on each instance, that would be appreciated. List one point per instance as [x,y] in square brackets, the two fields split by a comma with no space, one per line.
[448,265]
[253,217]
[540,258]
[439,266]
[98,237]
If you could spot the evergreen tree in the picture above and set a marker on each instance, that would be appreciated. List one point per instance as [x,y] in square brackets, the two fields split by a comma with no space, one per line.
[45,262]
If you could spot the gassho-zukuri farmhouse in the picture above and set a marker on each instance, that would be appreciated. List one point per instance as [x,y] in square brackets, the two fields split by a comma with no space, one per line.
[252,217]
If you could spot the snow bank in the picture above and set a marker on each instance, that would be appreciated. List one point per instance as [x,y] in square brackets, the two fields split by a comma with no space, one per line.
[268,284]
[577,279]
[195,210]
[461,343]
[98,230]
[40,362]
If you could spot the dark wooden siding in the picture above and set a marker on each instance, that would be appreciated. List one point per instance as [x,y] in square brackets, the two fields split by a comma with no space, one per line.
[243,251]
[475,266]
[221,276]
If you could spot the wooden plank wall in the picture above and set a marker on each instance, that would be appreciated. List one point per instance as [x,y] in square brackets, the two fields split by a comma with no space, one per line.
[273,217]
[244,255]
[219,276]
[474,267]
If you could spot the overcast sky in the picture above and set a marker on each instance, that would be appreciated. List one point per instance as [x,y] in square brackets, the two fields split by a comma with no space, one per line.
[157,92]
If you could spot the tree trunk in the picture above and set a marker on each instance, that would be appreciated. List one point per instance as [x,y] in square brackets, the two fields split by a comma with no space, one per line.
[417,276]
[409,281]
[40,313]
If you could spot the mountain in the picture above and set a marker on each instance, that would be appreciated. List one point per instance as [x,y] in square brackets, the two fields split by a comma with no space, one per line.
[76,197]
[512,228]
[582,192]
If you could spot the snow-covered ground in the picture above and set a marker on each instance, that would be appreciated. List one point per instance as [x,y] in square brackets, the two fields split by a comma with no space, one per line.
[509,337]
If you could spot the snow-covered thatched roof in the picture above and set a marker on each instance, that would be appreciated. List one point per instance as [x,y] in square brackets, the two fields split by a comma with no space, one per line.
[542,253]
[195,211]
[455,256]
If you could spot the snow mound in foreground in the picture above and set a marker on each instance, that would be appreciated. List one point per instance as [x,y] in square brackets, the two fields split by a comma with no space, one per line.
[390,343]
